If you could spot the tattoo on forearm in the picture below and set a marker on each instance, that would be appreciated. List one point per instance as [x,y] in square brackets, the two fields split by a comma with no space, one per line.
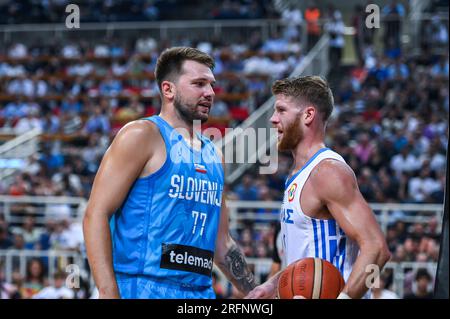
[238,268]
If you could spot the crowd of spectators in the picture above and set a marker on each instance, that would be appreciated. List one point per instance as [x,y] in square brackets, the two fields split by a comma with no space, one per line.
[82,88]
[42,11]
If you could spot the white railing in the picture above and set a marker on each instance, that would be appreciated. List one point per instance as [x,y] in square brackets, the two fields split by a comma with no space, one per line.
[43,207]
[14,147]
[410,213]
[239,210]
[385,213]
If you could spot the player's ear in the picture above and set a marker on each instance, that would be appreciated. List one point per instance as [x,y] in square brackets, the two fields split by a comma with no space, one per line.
[309,114]
[168,89]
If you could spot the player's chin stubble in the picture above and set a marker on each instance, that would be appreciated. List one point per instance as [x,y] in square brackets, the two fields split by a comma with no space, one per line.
[188,112]
[291,136]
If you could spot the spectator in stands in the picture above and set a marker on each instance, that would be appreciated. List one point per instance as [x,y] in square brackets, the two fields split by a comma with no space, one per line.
[133,110]
[17,51]
[381,292]
[110,86]
[439,35]
[398,70]
[71,105]
[15,109]
[94,151]
[44,240]
[388,186]
[432,229]
[34,280]
[56,291]
[411,246]
[359,25]
[220,111]
[33,166]
[28,123]
[366,183]
[422,287]
[392,238]
[83,68]
[393,13]
[97,122]
[5,238]
[431,249]
[67,236]
[440,68]
[246,242]
[66,180]
[18,242]
[365,149]
[292,18]
[246,190]
[29,232]
[422,185]
[405,161]
[51,123]
[265,194]
[7,290]
[312,15]
[335,28]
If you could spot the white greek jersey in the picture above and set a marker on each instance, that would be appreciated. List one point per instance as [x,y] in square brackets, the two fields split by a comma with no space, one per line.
[303,236]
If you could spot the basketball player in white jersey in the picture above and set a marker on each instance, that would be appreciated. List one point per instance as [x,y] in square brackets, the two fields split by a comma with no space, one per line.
[324,214]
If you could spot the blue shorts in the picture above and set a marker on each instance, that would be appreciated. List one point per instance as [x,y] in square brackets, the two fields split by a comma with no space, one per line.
[143,287]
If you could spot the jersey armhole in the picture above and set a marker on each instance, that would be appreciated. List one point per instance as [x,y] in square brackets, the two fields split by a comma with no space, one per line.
[167,161]
[302,212]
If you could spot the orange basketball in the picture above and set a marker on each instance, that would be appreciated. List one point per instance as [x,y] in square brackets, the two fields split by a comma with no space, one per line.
[312,278]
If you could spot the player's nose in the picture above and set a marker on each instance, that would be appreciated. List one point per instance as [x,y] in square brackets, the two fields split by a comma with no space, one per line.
[274,119]
[209,92]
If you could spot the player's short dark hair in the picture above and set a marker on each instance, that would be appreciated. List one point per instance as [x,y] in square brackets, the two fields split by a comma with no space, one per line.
[170,62]
[308,89]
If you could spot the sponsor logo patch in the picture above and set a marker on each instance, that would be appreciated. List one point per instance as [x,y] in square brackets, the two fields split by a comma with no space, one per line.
[187,258]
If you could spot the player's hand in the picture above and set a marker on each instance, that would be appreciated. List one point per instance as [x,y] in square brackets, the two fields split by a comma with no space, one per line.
[267,290]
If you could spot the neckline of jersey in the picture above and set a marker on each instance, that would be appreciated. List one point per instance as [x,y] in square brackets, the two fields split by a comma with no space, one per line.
[182,139]
[293,177]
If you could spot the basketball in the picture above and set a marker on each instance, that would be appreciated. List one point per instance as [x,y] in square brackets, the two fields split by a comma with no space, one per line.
[312,278]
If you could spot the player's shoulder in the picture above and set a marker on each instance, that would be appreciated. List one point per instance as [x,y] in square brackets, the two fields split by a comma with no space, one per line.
[138,135]
[138,129]
[332,174]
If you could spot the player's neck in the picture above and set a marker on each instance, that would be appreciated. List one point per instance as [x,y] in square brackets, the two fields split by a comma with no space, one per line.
[305,150]
[184,128]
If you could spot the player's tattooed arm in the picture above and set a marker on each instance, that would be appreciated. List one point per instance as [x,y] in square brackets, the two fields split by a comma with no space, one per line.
[229,258]
[234,266]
